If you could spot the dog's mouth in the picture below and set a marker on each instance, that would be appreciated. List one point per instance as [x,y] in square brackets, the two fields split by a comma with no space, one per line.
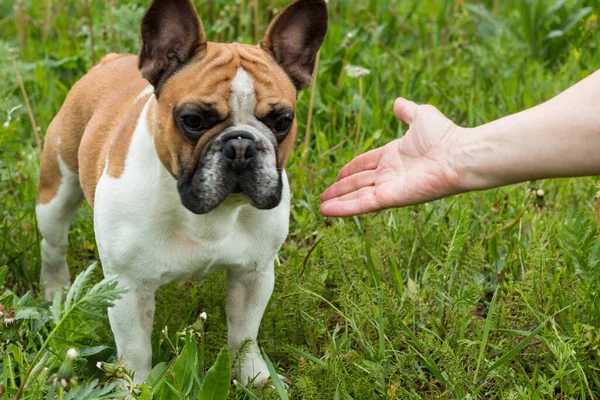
[209,188]
[237,189]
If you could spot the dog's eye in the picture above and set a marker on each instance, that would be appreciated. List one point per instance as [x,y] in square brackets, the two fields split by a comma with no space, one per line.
[279,121]
[194,120]
[282,125]
[194,123]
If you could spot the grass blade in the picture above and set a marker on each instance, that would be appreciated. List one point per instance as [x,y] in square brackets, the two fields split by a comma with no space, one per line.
[486,332]
[515,350]
[275,378]
[430,364]
[247,392]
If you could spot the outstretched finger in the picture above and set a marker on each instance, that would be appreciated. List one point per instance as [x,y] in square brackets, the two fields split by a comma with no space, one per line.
[364,162]
[360,202]
[405,110]
[349,184]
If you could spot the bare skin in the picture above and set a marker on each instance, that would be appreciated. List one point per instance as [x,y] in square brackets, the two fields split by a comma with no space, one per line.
[437,158]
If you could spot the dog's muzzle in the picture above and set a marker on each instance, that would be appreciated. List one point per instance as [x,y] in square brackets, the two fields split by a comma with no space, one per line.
[237,162]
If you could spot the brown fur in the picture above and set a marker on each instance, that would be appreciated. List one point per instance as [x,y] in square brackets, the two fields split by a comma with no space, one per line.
[50,176]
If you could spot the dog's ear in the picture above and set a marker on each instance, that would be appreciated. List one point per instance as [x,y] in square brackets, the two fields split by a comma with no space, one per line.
[171,35]
[295,36]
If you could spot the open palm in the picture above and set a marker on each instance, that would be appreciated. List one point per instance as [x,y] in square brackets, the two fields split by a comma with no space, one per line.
[414,169]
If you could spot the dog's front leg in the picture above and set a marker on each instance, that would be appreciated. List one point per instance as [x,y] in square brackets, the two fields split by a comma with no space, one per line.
[248,292]
[131,321]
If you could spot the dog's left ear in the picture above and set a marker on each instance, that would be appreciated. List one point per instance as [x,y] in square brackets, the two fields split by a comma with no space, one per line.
[295,36]
[171,35]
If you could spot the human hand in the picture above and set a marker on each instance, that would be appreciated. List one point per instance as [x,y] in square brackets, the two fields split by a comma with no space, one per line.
[414,169]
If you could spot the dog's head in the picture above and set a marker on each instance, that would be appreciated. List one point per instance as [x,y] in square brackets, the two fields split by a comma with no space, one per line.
[226,112]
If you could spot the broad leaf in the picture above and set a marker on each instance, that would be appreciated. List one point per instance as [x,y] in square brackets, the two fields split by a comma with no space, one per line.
[185,370]
[218,378]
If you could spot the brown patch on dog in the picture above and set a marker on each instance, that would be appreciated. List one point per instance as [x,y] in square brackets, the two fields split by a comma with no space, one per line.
[50,175]
[82,131]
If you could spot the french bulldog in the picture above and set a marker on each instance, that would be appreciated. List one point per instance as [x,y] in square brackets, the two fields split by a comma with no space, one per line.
[180,151]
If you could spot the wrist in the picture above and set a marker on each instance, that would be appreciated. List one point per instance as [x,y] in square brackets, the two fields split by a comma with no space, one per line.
[473,154]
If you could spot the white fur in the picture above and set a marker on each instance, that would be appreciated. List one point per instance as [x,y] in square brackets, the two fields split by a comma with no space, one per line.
[146,238]
[243,98]
[54,219]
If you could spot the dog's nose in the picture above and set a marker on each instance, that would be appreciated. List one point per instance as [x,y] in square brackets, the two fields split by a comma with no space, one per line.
[239,150]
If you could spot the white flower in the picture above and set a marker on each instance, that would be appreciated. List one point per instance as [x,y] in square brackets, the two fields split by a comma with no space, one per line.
[99,365]
[72,354]
[354,71]
[540,193]
[203,316]
[5,125]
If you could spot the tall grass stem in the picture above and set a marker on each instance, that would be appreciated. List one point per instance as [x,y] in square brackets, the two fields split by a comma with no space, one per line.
[26,98]
[311,106]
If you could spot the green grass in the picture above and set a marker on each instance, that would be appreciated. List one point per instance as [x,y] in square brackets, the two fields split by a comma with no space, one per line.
[491,295]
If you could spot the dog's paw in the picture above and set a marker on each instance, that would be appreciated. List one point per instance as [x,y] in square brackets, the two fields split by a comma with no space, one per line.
[254,370]
[54,278]
[264,380]
[55,286]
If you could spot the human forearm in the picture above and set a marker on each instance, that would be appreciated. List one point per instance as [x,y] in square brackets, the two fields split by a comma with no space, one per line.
[560,138]
[436,158]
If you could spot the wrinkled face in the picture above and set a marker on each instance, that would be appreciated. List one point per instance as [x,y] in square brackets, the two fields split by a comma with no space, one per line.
[226,112]
[227,125]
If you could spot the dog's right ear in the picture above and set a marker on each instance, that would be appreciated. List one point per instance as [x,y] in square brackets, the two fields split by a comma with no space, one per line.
[171,35]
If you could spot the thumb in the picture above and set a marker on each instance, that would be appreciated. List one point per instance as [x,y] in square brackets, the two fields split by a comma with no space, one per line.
[405,110]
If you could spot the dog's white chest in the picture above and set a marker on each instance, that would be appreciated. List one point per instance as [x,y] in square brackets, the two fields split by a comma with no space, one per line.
[144,232]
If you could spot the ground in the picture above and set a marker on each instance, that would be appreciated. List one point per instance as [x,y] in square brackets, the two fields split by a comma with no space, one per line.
[492,295]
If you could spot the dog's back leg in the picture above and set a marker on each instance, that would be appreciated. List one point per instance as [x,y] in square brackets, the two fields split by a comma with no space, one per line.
[58,199]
